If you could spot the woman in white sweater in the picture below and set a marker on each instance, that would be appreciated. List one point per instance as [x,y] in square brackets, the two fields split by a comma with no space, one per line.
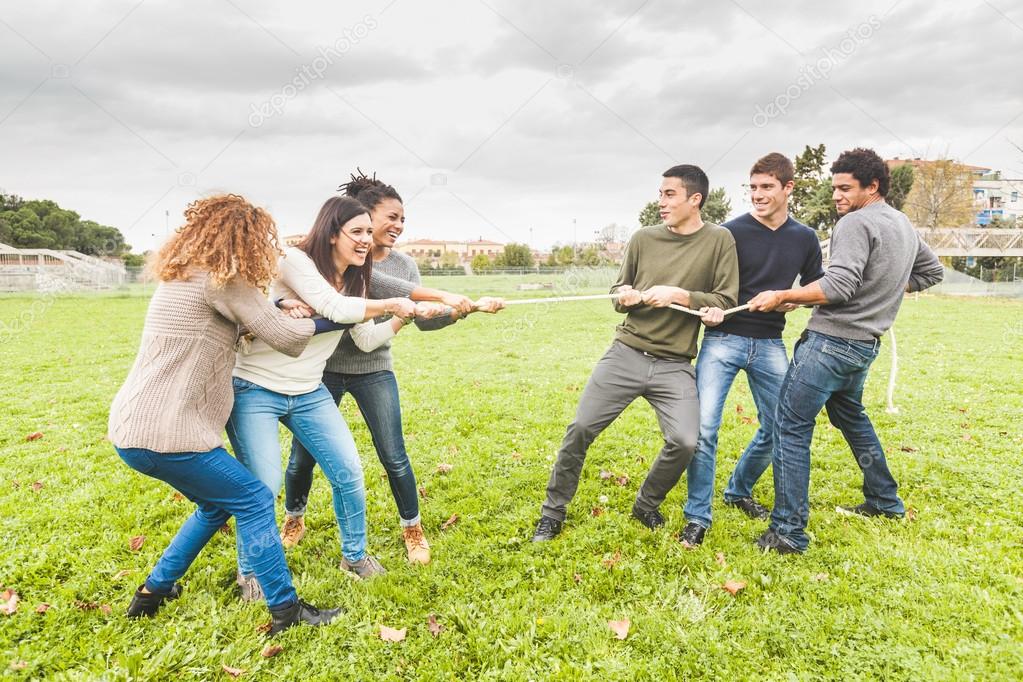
[330,272]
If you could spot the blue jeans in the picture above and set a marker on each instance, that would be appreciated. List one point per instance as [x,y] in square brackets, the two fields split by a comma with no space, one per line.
[314,420]
[221,488]
[826,371]
[721,357]
[376,394]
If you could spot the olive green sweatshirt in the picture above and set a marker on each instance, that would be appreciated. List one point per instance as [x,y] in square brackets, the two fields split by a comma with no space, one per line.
[703,263]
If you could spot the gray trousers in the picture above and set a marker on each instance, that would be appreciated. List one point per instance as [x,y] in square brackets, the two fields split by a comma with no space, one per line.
[621,376]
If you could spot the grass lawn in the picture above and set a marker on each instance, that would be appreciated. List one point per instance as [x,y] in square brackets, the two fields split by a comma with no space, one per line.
[937,596]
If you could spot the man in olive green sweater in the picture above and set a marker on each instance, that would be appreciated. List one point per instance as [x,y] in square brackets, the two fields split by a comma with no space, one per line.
[683,261]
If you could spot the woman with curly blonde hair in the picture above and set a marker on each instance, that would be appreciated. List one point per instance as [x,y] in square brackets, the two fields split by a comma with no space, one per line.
[167,419]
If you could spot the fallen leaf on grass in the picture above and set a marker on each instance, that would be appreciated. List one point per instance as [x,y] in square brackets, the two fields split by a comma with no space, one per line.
[961,409]
[93,606]
[19,665]
[577,578]
[105,608]
[720,558]
[264,628]
[739,409]
[16,483]
[622,481]
[746,420]
[177,497]
[596,511]
[271,650]
[36,435]
[43,608]
[606,475]
[443,468]
[226,529]
[620,627]
[967,436]
[135,544]
[821,577]
[422,492]
[911,514]
[8,602]
[516,456]
[37,486]
[452,520]
[908,448]
[391,635]
[123,573]
[612,560]
[434,627]
[233,672]
[733,587]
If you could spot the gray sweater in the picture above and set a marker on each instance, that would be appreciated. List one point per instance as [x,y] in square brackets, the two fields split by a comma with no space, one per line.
[875,254]
[395,276]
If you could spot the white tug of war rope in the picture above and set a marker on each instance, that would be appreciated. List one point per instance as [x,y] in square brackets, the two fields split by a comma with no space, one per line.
[891,407]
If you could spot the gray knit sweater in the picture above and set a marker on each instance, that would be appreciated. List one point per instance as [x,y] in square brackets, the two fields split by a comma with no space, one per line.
[395,276]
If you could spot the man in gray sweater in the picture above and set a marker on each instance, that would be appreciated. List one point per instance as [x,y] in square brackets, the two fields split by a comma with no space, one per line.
[876,256]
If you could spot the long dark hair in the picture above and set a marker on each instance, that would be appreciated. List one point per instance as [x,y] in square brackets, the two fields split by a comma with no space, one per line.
[336,212]
[368,190]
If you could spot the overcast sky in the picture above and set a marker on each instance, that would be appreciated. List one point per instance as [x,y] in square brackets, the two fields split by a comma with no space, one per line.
[496,119]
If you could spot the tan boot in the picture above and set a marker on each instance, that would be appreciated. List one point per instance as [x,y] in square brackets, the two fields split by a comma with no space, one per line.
[416,545]
[292,531]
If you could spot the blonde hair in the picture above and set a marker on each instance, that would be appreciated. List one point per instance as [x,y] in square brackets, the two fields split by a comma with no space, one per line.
[225,235]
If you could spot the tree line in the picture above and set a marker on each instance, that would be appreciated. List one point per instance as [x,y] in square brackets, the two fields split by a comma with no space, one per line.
[42,224]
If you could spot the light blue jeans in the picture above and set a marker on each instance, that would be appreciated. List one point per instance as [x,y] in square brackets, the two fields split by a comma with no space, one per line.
[721,357]
[314,420]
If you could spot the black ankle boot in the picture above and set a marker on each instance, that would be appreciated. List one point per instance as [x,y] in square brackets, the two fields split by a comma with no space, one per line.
[299,612]
[147,604]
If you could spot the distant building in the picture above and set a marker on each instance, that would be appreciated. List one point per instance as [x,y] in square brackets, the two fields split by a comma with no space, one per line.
[292,239]
[433,250]
[996,197]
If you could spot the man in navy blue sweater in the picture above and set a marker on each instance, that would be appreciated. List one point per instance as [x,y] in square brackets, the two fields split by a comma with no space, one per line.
[773,250]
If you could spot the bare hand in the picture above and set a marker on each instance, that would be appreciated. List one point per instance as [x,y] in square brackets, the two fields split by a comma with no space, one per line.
[295,308]
[488,304]
[428,311]
[661,296]
[786,307]
[628,297]
[400,307]
[712,317]
[766,301]
[463,304]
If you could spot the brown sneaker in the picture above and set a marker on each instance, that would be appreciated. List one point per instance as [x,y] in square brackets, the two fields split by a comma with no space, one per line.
[416,545]
[364,568]
[292,531]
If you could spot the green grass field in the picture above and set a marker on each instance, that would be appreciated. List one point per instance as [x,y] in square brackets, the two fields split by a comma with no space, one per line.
[937,596]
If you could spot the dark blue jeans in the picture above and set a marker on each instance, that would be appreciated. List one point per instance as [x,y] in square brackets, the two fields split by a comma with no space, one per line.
[826,371]
[721,357]
[376,394]
[222,488]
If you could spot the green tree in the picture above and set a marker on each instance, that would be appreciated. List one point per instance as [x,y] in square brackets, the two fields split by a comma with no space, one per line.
[481,263]
[590,256]
[517,256]
[449,260]
[811,202]
[901,185]
[42,224]
[650,215]
[565,255]
[134,260]
[717,206]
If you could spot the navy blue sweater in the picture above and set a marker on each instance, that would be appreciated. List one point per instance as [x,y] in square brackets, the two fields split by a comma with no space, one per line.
[768,260]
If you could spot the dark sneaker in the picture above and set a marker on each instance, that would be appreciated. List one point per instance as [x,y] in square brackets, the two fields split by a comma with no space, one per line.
[867,510]
[750,507]
[651,519]
[771,541]
[365,568]
[691,536]
[148,603]
[547,529]
[283,617]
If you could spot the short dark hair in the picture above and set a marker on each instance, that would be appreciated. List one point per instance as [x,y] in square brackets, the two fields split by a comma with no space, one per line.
[866,166]
[368,190]
[777,165]
[693,178]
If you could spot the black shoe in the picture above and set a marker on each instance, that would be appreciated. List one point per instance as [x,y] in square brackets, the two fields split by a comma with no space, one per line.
[867,510]
[771,541]
[547,529]
[283,617]
[148,603]
[651,519]
[691,536]
[750,507]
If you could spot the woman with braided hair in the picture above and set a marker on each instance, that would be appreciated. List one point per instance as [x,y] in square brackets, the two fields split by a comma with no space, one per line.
[369,376]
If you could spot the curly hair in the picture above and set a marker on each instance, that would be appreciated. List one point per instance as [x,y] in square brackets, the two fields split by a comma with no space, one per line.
[368,190]
[866,166]
[225,235]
